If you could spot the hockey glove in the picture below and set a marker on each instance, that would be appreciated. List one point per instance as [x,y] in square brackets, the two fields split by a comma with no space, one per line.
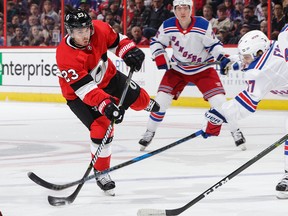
[134,58]
[224,65]
[214,122]
[162,60]
[114,113]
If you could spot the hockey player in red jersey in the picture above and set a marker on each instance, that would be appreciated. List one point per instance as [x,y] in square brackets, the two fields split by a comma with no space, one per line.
[89,80]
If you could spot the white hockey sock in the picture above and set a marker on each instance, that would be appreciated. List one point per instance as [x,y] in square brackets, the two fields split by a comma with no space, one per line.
[286,155]
[155,118]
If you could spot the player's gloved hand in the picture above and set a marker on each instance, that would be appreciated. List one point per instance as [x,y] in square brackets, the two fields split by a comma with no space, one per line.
[162,60]
[134,58]
[225,64]
[214,121]
[114,113]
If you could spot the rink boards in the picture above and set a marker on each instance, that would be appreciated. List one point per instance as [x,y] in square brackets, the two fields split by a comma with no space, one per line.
[31,75]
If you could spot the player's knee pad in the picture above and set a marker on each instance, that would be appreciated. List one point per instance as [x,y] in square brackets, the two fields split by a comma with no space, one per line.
[164,100]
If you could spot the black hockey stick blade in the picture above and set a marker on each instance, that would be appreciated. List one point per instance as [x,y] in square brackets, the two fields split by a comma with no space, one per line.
[177,211]
[52,186]
[49,185]
[59,201]
[57,187]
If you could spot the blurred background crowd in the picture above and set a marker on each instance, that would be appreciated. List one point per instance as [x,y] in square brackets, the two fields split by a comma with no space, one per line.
[40,23]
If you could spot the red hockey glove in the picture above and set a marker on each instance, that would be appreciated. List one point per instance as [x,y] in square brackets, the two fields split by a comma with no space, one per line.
[162,60]
[114,113]
[214,123]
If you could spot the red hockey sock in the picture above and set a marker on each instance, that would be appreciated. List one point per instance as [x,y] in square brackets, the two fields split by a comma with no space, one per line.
[102,163]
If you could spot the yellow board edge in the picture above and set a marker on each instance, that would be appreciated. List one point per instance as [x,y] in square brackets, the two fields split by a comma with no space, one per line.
[181,102]
[31,97]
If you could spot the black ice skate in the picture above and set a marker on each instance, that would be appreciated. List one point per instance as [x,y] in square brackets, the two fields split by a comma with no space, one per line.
[282,188]
[239,139]
[106,184]
[153,106]
[146,139]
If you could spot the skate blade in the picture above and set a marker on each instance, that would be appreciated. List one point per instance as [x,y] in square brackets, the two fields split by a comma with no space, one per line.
[242,147]
[110,192]
[282,195]
[142,148]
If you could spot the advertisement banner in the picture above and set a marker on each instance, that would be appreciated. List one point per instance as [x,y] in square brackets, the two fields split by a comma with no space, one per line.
[34,70]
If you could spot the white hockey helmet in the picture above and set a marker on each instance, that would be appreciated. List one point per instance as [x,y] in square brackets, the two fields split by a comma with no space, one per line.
[253,42]
[183,2]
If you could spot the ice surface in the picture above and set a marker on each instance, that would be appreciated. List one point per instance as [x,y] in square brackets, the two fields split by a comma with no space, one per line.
[50,141]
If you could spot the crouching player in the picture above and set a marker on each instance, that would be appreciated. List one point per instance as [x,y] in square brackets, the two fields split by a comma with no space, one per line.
[265,71]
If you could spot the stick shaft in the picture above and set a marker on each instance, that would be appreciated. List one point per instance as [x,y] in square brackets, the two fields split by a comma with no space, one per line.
[228,177]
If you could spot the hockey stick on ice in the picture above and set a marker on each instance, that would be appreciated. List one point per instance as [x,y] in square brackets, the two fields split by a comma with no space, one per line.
[57,201]
[177,211]
[52,186]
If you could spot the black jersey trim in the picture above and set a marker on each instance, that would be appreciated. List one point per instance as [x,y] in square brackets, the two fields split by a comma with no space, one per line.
[77,85]
[116,42]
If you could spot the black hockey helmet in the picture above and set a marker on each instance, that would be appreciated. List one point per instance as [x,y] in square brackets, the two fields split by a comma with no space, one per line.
[77,19]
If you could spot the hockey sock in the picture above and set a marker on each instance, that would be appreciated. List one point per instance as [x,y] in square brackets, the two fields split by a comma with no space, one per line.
[286,155]
[102,163]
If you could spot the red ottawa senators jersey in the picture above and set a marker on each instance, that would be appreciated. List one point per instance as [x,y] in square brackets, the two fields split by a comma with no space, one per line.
[85,72]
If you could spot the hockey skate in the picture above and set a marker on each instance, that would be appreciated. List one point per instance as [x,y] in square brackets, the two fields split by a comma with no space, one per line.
[282,188]
[239,139]
[146,139]
[153,106]
[106,184]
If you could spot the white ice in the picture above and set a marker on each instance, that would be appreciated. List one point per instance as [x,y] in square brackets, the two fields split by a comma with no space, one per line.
[50,141]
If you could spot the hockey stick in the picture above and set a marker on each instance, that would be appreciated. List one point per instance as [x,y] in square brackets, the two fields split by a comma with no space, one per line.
[194,63]
[52,186]
[58,201]
[177,211]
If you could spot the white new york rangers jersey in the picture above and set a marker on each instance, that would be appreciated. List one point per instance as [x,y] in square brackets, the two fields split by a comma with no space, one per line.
[283,45]
[269,72]
[198,43]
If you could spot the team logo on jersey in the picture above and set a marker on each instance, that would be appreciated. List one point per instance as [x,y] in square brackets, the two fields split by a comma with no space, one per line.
[99,71]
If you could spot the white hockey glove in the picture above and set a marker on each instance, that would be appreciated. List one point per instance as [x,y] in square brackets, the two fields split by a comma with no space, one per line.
[214,122]
[162,60]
